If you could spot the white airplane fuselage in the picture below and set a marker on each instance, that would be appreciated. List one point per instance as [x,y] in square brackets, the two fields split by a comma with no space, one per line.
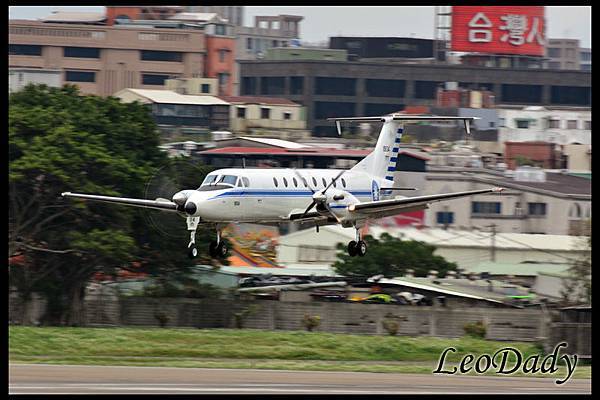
[270,195]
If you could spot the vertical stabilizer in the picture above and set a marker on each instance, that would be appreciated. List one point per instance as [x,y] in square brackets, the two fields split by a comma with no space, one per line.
[381,162]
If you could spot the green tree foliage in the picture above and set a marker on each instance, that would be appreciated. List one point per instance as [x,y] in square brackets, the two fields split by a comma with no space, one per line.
[392,257]
[577,286]
[60,140]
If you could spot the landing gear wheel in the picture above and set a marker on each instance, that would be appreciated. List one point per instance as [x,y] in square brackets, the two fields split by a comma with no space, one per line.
[212,249]
[361,248]
[221,250]
[192,252]
[352,250]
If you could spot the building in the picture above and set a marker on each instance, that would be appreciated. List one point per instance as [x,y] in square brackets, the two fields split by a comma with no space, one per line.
[585,59]
[535,201]
[196,86]
[563,54]
[335,88]
[119,14]
[305,53]
[391,49]
[175,113]
[233,14]
[18,78]
[220,47]
[468,249]
[266,116]
[571,125]
[102,60]
[525,274]
[520,155]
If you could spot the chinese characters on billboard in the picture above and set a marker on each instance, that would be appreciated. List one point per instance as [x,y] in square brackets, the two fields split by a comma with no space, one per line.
[499,30]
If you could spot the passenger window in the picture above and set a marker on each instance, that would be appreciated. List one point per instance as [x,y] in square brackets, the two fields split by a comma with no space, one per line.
[343,182]
[314,181]
[324,182]
[285,182]
[246,182]
[275,182]
[295,182]
[334,182]
[305,183]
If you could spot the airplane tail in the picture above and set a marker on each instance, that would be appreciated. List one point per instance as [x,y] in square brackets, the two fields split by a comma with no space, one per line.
[381,162]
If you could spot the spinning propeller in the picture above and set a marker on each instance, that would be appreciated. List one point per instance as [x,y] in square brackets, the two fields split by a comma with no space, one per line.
[319,197]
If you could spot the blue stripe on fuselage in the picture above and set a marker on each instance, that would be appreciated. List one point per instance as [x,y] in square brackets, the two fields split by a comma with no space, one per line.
[279,193]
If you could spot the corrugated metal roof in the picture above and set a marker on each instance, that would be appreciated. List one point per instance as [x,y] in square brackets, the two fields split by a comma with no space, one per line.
[277,142]
[272,271]
[524,269]
[460,238]
[71,16]
[188,16]
[259,100]
[171,97]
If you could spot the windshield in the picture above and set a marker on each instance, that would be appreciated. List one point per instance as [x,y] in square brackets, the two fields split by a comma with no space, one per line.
[227,180]
[209,180]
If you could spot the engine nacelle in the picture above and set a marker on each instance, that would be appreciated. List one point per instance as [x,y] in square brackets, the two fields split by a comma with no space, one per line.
[338,201]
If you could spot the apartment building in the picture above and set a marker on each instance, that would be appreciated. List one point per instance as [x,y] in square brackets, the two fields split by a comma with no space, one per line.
[102,60]
[554,125]
[563,54]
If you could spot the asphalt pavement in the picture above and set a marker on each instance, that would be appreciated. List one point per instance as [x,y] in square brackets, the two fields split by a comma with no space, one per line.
[78,379]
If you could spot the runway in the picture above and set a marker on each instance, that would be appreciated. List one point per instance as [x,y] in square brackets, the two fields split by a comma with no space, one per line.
[77,379]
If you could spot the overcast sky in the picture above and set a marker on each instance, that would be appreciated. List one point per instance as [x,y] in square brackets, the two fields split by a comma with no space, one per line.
[571,22]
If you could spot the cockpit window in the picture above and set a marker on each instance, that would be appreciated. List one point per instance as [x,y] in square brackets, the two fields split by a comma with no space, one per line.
[209,179]
[228,180]
[246,182]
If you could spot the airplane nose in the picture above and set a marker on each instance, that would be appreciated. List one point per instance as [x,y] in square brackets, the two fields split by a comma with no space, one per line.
[179,198]
[190,208]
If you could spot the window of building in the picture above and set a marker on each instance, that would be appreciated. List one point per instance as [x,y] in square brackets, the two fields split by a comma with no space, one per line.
[586,56]
[553,65]
[223,79]
[220,29]
[575,211]
[445,217]
[249,44]
[426,89]
[554,124]
[272,85]
[205,88]
[326,109]
[241,112]
[572,124]
[554,52]
[502,122]
[385,87]
[586,67]
[222,54]
[571,95]
[522,123]
[536,208]
[82,52]
[287,115]
[587,125]
[296,85]
[275,182]
[154,79]
[486,207]
[152,55]
[248,86]
[382,109]
[265,113]
[522,93]
[335,86]
[274,43]
[80,76]
[24,50]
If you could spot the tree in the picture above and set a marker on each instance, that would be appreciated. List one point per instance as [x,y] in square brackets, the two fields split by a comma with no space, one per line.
[392,257]
[60,140]
[577,286]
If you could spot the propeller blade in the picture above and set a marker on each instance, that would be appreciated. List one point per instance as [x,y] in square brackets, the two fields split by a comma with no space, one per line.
[309,208]
[333,180]
[303,180]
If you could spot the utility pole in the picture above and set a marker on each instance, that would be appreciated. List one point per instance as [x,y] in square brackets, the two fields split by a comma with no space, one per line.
[493,245]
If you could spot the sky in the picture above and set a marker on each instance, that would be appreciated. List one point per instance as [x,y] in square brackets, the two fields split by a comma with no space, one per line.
[568,22]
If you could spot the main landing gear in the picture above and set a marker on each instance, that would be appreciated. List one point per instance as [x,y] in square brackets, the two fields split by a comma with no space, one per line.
[215,248]
[357,247]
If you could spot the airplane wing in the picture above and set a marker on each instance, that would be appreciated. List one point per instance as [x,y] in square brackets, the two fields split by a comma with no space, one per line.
[164,205]
[386,208]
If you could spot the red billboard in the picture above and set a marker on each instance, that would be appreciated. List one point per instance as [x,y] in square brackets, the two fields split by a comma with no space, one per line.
[499,29]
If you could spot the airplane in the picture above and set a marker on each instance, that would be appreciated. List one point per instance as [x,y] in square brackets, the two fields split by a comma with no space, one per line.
[278,195]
